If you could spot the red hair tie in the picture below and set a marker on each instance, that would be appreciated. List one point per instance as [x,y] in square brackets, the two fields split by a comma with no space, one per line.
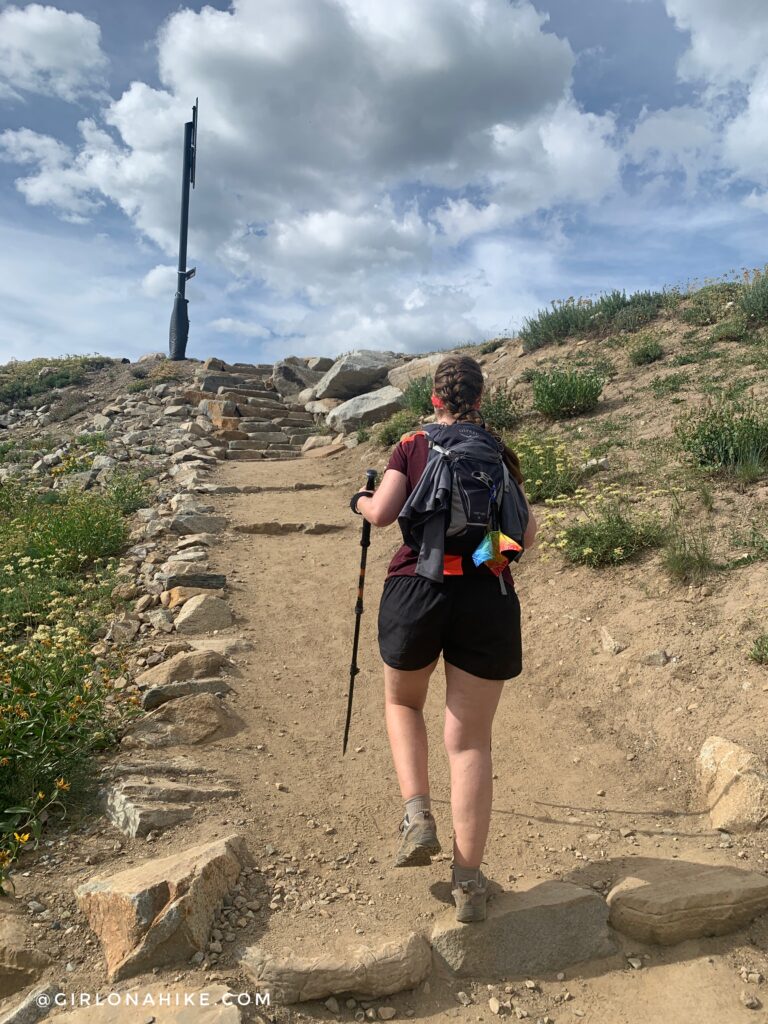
[437,403]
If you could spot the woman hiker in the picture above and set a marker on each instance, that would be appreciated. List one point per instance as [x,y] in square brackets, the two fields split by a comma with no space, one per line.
[471,616]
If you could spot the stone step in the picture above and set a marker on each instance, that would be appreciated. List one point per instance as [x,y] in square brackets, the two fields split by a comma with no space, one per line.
[251,456]
[256,442]
[258,426]
[251,392]
[251,398]
[284,448]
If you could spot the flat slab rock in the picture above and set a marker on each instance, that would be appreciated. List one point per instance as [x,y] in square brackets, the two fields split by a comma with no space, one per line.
[542,929]
[675,901]
[367,971]
[197,718]
[215,1005]
[160,911]
[138,807]
[182,667]
[275,528]
[20,963]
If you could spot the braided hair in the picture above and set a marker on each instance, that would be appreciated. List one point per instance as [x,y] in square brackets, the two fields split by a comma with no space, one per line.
[459,385]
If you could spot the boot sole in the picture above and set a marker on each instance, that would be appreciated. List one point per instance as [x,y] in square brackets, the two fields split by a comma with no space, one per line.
[417,855]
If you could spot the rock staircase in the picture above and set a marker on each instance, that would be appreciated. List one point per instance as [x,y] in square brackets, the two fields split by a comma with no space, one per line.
[249,415]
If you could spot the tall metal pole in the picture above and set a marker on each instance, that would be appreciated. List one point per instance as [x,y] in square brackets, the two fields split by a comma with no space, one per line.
[179,332]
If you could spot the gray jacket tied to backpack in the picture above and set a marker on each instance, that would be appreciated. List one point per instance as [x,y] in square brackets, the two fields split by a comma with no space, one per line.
[465,491]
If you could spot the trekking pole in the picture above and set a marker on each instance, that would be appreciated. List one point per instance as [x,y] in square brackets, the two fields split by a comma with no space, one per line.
[365,543]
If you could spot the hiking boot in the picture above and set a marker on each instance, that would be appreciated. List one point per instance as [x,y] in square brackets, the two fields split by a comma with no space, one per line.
[419,841]
[470,898]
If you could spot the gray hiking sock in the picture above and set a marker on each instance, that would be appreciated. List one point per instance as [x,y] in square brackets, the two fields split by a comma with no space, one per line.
[417,805]
[465,874]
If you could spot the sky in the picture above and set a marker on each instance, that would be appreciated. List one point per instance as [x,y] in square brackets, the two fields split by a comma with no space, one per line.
[380,174]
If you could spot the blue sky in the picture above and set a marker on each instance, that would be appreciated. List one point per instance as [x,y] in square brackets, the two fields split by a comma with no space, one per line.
[398,175]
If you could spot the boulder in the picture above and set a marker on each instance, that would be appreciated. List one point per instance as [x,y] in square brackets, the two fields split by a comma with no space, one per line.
[322,406]
[178,595]
[674,901]
[160,911]
[290,378]
[183,666]
[373,407]
[401,376]
[215,365]
[35,1006]
[203,614]
[152,357]
[192,523]
[186,721]
[316,441]
[307,395]
[367,971]
[735,784]
[356,373]
[537,930]
[157,695]
[321,363]
[325,451]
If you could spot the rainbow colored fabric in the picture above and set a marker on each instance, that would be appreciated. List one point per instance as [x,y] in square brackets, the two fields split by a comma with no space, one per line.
[491,550]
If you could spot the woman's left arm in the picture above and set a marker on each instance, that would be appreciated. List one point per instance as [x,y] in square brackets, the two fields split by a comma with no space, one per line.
[384,506]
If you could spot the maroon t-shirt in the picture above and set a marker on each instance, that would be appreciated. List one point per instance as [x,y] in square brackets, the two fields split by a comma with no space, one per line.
[410,458]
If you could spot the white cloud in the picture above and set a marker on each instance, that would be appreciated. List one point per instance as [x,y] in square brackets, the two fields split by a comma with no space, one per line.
[729,38]
[160,280]
[679,139]
[242,328]
[321,123]
[47,51]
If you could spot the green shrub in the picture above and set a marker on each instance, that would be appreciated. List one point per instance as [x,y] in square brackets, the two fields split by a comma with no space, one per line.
[21,382]
[491,346]
[561,394]
[759,652]
[127,491]
[646,350]
[389,433]
[687,555]
[661,386]
[728,436]
[95,443]
[710,304]
[609,536]
[363,435]
[418,396]
[753,301]
[138,385]
[548,468]
[499,409]
[734,329]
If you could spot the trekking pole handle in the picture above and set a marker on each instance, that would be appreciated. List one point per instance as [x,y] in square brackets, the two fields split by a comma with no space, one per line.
[370,484]
[370,479]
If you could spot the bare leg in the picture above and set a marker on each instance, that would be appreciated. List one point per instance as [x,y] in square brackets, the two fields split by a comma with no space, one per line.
[405,695]
[471,703]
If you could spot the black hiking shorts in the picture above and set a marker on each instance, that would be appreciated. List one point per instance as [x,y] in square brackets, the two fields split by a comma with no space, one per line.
[467,618]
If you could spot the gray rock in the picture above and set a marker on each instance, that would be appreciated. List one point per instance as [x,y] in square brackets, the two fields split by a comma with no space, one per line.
[157,695]
[160,911]
[735,785]
[203,614]
[321,363]
[401,376]
[316,441]
[152,357]
[538,930]
[368,971]
[369,408]
[322,406]
[191,522]
[674,901]
[182,667]
[289,378]
[137,807]
[356,373]
[656,659]
[187,721]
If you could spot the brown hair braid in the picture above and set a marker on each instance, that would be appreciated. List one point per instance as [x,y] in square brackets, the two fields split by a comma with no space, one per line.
[459,385]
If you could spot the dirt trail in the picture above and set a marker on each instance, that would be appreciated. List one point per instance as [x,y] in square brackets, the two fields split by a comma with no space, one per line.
[293,597]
